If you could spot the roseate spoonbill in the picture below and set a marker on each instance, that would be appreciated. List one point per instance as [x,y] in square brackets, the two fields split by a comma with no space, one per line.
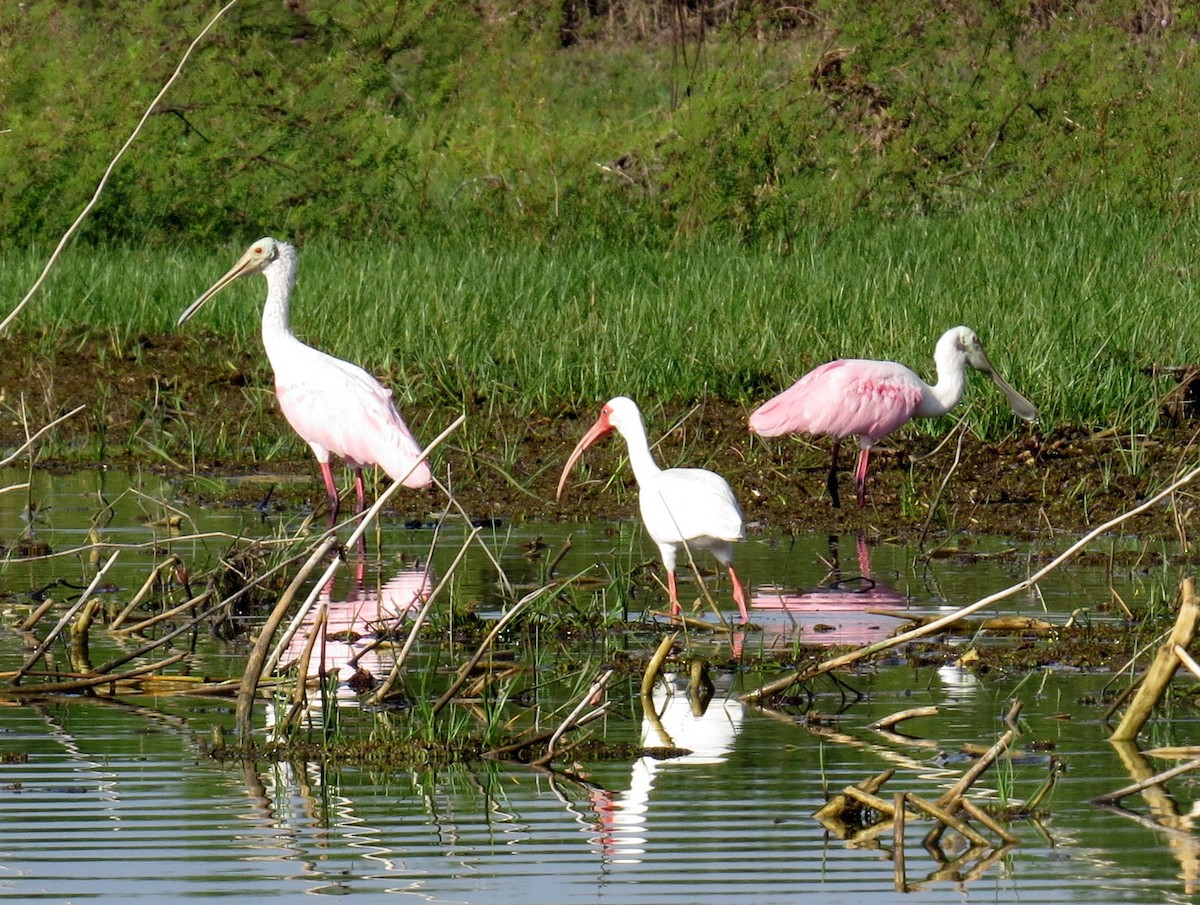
[681,507]
[336,407]
[870,399]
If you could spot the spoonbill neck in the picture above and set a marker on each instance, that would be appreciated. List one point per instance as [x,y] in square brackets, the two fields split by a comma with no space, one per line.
[944,395]
[280,275]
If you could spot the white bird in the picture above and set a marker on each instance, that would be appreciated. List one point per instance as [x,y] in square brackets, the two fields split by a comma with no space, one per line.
[682,508]
[336,407]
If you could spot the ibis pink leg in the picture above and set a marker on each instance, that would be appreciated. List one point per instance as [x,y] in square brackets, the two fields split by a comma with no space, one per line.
[739,595]
[672,593]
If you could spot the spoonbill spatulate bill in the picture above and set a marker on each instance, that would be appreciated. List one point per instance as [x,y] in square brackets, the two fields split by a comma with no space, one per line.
[682,508]
[336,407]
[870,399]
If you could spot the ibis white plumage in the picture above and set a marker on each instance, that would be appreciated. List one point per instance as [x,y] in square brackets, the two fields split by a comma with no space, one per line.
[682,508]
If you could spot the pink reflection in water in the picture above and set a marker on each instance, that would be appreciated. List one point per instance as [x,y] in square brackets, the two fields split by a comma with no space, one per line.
[349,639]
[850,610]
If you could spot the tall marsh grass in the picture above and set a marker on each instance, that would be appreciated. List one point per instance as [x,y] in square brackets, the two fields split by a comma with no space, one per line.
[1071,306]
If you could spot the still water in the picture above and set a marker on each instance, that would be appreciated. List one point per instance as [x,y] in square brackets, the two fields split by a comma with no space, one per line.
[107,800]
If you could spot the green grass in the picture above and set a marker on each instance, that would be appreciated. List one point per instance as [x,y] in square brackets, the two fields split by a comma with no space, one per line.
[1070,306]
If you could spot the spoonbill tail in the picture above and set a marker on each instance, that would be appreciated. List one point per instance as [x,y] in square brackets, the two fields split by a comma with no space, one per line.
[336,407]
[870,399]
[688,508]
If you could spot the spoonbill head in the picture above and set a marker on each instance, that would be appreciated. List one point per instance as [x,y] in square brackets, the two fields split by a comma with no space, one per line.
[257,258]
[869,399]
[682,508]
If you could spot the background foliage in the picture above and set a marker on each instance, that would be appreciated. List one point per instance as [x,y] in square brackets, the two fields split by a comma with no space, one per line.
[587,120]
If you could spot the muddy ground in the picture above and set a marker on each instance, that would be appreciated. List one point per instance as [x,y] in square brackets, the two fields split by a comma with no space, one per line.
[1034,483]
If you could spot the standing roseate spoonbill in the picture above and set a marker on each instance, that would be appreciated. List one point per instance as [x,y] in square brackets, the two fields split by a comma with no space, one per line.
[336,407]
[681,507]
[870,399]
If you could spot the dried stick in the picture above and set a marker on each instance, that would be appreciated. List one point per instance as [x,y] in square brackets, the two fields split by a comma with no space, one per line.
[258,656]
[36,616]
[109,171]
[300,691]
[159,642]
[168,614]
[466,668]
[900,716]
[33,439]
[64,621]
[1114,797]
[899,881]
[1166,662]
[655,665]
[962,433]
[838,803]
[385,687]
[978,814]
[950,798]
[46,688]
[569,722]
[137,598]
[1187,660]
[946,817]
[516,747]
[773,688]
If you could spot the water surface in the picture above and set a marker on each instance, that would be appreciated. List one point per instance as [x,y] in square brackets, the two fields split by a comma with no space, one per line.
[108,800]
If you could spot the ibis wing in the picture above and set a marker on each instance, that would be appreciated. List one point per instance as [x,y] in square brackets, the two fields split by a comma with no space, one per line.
[687,504]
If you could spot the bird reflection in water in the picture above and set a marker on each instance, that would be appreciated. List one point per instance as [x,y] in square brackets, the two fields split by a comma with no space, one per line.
[849,609]
[700,725]
[348,629]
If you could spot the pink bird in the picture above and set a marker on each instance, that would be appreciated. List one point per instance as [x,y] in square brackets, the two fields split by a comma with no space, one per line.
[336,407]
[870,399]
[682,508]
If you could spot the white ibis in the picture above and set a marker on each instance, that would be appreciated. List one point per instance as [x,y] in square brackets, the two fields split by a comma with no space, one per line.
[682,508]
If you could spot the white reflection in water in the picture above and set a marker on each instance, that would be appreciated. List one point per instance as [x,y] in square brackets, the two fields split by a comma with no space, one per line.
[707,729]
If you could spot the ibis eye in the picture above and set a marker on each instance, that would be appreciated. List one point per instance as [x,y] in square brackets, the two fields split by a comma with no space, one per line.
[258,249]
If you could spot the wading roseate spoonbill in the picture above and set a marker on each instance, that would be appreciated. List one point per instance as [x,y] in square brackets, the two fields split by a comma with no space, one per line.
[870,399]
[336,407]
[681,507]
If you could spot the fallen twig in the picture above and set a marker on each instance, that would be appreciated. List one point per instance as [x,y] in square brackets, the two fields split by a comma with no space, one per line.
[33,439]
[655,665]
[501,624]
[63,622]
[1156,779]
[570,722]
[385,687]
[1154,683]
[48,688]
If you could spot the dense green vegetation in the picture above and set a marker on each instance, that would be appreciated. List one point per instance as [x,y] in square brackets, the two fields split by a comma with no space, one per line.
[534,205]
[587,121]
[1072,306]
